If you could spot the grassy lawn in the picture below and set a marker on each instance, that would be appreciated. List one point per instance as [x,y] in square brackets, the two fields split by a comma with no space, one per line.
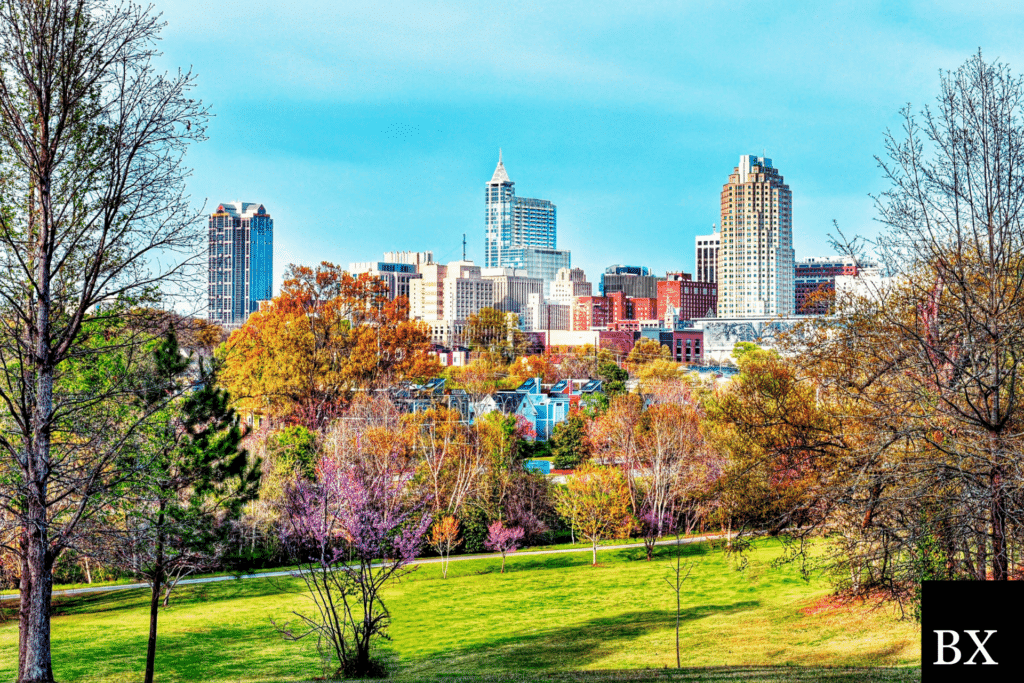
[546,618]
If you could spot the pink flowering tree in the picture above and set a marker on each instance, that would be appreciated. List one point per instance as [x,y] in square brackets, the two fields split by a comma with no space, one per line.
[502,539]
[352,531]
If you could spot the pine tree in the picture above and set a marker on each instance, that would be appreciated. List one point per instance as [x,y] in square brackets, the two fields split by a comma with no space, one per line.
[199,478]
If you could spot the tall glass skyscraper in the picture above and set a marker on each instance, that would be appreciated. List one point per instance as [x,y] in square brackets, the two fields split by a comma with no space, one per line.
[514,223]
[241,261]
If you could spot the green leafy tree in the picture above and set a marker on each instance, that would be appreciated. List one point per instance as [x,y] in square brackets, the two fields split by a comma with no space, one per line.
[569,443]
[614,378]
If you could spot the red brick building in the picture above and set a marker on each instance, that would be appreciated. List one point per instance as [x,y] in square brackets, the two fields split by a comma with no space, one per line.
[622,306]
[814,282]
[591,311]
[645,308]
[691,299]
[686,346]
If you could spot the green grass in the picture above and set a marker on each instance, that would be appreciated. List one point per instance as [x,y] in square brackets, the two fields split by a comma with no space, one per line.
[546,618]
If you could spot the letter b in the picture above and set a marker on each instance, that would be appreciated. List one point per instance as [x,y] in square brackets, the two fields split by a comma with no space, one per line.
[948,646]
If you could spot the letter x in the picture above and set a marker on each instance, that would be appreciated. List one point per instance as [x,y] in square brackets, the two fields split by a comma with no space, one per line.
[981,647]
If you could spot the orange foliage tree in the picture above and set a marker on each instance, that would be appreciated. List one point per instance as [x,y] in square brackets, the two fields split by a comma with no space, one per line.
[327,334]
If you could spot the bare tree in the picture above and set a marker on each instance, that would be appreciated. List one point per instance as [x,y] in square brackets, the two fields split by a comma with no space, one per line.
[94,221]
[922,380]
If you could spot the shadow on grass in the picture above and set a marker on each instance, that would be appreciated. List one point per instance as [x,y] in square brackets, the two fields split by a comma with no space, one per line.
[571,647]
[730,674]
[182,596]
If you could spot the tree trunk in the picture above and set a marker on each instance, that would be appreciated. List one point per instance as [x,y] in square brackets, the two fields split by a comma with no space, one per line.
[593,549]
[34,664]
[154,599]
[1000,565]
[981,564]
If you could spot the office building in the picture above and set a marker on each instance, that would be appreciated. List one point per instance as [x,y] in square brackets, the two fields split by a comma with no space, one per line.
[542,316]
[413,258]
[445,296]
[514,221]
[814,282]
[568,284]
[688,299]
[633,281]
[426,293]
[395,275]
[240,261]
[755,258]
[707,256]
[520,232]
[512,288]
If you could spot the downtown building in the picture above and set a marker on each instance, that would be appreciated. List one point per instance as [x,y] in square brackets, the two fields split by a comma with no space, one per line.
[240,262]
[395,275]
[680,297]
[633,281]
[520,232]
[814,282]
[756,259]
[707,256]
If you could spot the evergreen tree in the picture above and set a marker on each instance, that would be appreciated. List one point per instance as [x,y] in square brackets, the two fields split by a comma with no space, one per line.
[174,523]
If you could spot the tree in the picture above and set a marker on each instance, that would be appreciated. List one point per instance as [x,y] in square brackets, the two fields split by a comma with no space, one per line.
[353,532]
[326,334]
[923,377]
[527,367]
[93,220]
[614,378]
[444,538]
[450,457]
[595,501]
[569,443]
[676,470]
[502,539]
[647,351]
[495,332]
[198,478]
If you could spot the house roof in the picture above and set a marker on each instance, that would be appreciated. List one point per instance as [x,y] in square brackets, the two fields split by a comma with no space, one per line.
[508,401]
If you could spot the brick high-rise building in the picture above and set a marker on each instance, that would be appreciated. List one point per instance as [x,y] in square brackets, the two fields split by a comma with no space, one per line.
[690,299]
[755,259]
[645,308]
[240,261]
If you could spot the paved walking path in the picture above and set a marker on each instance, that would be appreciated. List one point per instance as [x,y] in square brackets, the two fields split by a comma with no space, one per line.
[427,560]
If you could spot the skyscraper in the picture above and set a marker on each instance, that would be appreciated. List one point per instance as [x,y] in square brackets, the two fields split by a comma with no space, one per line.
[240,261]
[755,259]
[520,232]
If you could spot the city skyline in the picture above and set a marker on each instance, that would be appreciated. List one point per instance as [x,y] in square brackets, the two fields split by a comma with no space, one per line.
[622,117]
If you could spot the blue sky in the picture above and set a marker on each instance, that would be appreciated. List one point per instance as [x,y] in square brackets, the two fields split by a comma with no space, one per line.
[372,126]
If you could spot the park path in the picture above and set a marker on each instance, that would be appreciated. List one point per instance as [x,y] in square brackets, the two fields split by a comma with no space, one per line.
[425,560]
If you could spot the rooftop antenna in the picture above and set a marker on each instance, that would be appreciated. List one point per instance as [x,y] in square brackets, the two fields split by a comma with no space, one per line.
[464,235]
[499,155]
